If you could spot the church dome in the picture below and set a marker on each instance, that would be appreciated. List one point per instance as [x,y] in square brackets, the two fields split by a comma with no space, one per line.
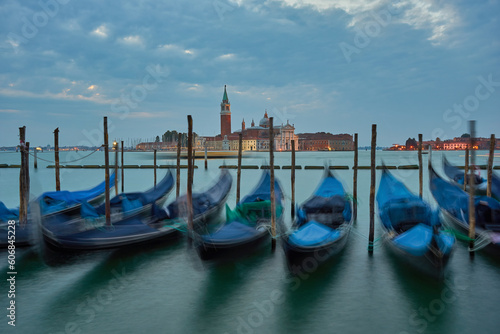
[264,122]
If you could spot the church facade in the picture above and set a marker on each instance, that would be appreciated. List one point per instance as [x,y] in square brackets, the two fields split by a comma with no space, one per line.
[255,137]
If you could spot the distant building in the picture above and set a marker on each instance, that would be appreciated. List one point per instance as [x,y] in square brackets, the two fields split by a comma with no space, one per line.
[255,137]
[322,141]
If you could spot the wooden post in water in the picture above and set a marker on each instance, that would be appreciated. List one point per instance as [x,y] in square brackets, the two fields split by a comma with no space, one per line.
[472,186]
[178,174]
[372,189]
[355,179]
[420,169]
[35,151]
[466,168]
[271,169]
[23,178]
[490,165]
[56,152]
[106,172]
[154,167]
[189,199]
[293,179]
[238,174]
[193,164]
[115,147]
[123,176]
[206,156]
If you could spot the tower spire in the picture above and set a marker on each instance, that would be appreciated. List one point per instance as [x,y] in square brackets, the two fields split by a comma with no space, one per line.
[224,98]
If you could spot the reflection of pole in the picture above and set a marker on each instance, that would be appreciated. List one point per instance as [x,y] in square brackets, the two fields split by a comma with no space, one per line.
[490,165]
[372,189]
[56,152]
[420,171]
[238,174]
[355,178]
[472,186]
[106,168]
[271,168]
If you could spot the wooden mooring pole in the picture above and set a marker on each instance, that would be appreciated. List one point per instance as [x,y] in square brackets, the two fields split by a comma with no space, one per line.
[189,199]
[355,179]
[193,164]
[115,147]
[238,174]
[106,173]
[271,169]
[178,172]
[472,186]
[420,169]
[466,168]
[154,165]
[292,176]
[35,162]
[206,156]
[372,189]
[23,178]
[56,153]
[123,172]
[490,165]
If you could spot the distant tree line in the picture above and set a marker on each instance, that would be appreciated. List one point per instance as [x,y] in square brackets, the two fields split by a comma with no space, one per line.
[172,136]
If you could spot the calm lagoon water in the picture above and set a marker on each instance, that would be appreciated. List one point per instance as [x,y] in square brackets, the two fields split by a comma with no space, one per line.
[165,288]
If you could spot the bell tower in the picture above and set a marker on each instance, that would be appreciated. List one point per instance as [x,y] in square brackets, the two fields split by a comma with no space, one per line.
[225,115]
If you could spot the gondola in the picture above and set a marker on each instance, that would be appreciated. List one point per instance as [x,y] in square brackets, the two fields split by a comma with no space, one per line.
[49,203]
[454,205]
[457,175]
[412,230]
[322,225]
[135,217]
[206,204]
[247,226]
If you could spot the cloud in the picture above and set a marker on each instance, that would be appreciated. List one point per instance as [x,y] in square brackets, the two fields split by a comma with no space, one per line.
[101,31]
[132,40]
[431,15]
[10,111]
[227,56]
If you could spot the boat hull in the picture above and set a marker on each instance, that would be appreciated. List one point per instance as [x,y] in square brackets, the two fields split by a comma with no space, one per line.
[460,226]
[312,256]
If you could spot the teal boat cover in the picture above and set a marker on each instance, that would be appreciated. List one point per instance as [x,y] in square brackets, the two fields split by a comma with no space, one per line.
[313,234]
[416,240]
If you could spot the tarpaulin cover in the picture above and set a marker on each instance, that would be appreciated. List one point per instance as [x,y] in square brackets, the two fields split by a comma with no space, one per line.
[133,200]
[458,175]
[53,201]
[6,214]
[203,201]
[445,242]
[456,201]
[262,191]
[397,205]
[416,240]
[233,232]
[313,234]
[329,198]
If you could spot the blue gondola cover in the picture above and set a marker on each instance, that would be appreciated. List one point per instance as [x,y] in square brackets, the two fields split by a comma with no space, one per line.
[312,234]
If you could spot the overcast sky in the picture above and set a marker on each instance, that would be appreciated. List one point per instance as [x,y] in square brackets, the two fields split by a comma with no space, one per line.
[325,65]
